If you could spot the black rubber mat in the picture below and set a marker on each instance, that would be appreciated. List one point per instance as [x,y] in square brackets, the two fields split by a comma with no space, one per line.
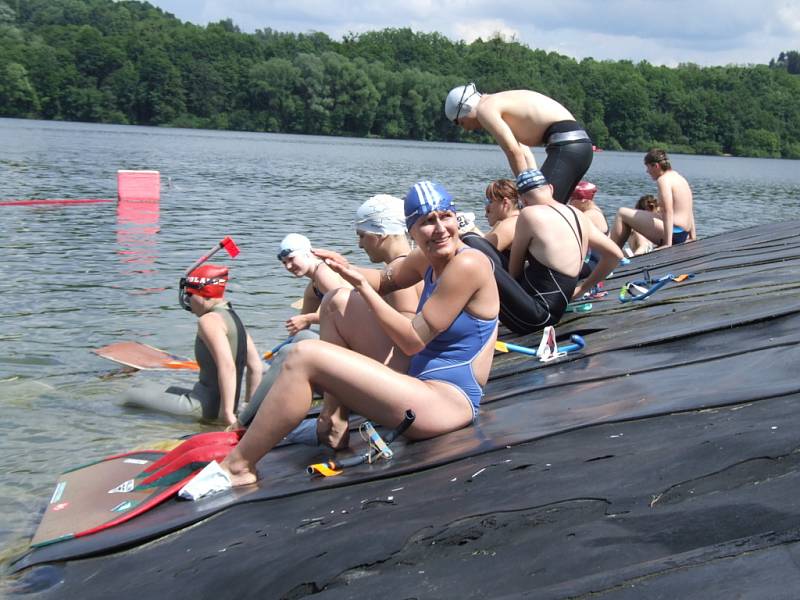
[661,461]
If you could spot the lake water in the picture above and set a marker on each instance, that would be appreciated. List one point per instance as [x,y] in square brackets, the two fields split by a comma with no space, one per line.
[73,278]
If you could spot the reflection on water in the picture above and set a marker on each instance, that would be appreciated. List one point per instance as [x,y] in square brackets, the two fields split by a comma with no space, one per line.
[79,277]
[137,226]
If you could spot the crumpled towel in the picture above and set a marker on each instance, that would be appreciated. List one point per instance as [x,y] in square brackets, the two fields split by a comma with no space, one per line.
[211,480]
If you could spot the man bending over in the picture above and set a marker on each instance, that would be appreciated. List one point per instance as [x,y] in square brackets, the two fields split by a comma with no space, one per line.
[520,119]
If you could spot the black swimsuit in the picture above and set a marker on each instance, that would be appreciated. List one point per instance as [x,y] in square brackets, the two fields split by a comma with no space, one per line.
[569,155]
[541,295]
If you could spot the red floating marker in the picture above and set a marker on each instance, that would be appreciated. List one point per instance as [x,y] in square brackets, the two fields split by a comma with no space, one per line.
[138,186]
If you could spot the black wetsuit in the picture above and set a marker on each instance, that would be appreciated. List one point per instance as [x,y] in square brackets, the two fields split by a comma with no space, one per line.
[569,155]
[541,295]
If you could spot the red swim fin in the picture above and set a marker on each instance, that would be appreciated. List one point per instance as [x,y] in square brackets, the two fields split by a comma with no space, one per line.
[193,459]
[212,438]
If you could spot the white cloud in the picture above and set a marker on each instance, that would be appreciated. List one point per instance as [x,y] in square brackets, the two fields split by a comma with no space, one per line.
[706,32]
[469,31]
[789,17]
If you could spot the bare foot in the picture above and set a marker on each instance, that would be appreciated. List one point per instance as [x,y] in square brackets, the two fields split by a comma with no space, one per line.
[239,472]
[333,434]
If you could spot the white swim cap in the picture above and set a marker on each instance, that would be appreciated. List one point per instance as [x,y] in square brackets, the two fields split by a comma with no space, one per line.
[382,215]
[460,101]
[294,244]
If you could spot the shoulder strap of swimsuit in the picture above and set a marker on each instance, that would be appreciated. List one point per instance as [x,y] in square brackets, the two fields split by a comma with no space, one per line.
[480,250]
[579,233]
[241,354]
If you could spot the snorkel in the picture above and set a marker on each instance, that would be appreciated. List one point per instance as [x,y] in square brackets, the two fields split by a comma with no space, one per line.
[183,298]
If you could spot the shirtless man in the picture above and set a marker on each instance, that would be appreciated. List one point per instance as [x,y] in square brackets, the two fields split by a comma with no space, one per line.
[520,119]
[674,222]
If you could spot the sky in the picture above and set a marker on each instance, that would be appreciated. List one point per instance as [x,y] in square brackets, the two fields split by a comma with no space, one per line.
[704,32]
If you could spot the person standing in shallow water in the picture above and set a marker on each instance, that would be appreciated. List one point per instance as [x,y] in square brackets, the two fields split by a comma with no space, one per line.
[674,223]
[521,119]
[451,341]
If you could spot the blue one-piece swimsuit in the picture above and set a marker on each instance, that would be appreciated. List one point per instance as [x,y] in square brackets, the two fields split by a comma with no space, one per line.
[448,357]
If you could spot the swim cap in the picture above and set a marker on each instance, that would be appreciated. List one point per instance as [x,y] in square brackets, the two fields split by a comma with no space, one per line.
[585,190]
[381,215]
[530,180]
[460,101]
[294,244]
[207,281]
[424,198]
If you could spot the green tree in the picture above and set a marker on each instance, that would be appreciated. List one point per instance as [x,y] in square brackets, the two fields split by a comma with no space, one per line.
[159,97]
[759,143]
[272,98]
[127,61]
[17,96]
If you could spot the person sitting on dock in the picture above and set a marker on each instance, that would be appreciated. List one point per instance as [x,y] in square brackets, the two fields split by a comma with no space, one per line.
[637,243]
[381,230]
[583,199]
[674,224]
[521,119]
[553,239]
[348,321]
[501,212]
[222,348]
[296,256]
[451,341]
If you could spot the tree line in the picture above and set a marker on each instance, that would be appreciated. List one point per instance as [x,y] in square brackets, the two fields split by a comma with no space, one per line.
[129,62]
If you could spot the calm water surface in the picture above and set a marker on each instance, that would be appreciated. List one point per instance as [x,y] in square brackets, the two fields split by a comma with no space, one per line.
[73,278]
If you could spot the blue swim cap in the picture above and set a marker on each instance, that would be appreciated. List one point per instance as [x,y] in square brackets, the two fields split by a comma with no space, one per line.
[424,198]
[530,180]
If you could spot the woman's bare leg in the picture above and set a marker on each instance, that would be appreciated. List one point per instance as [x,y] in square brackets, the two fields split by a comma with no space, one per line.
[346,320]
[642,221]
[363,385]
[639,244]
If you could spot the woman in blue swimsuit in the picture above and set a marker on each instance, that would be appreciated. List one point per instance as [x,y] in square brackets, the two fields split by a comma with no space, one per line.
[451,341]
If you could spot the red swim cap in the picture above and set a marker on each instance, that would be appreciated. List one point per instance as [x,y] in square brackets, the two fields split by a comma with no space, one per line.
[585,190]
[207,281]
